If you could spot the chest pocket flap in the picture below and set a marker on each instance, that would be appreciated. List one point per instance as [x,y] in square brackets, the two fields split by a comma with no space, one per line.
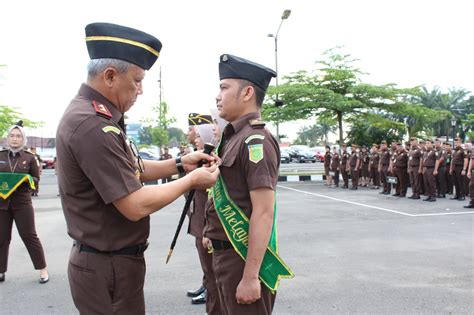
[228,160]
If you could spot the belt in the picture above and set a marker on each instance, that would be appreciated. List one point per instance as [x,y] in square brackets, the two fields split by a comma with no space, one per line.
[220,245]
[129,251]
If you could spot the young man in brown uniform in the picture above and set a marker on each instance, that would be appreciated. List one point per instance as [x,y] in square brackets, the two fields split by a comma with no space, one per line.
[374,161]
[399,166]
[440,170]
[384,166]
[353,166]
[100,175]
[327,166]
[471,183]
[335,162]
[458,169]
[250,158]
[414,168]
[449,177]
[343,167]
[429,162]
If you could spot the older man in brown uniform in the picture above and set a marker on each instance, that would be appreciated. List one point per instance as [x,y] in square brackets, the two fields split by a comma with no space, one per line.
[100,175]
[429,162]
[384,165]
[250,161]
[414,168]
[458,169]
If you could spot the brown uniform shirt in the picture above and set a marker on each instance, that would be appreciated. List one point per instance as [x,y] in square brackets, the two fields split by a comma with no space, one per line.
[385,157]
[401,160]
[335,160]
[353,159]
[429,159]
[458,157]
[414,160]
[327,159]
[441,155]
[95,168]
[344,159]
[240,174]
[21,162]
[374,160]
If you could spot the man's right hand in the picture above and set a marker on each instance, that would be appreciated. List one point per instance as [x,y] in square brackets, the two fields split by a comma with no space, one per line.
[204,177]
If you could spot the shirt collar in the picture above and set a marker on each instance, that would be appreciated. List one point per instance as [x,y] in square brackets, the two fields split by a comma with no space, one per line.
[239,124]
[91,94]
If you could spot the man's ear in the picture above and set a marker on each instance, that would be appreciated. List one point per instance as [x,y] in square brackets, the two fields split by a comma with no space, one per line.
[109,76]
[248,92]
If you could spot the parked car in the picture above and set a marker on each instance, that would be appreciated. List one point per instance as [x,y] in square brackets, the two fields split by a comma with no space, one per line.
[48,161]
[148,156]
[304,154]
[284,156]
[292,155]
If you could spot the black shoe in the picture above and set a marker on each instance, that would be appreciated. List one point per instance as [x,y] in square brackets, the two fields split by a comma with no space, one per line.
[432,199]
[441,196]
[427,199]
[201,299]
[2,277]
[382,192]
[469,206]
[386,193]
[353,188]
[461,198]
[344,187]
[44,280]
[194,293]
[396,195]
[415,197]
[454,198]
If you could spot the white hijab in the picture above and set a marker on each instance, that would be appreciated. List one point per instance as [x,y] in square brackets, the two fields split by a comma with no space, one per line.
[24,139]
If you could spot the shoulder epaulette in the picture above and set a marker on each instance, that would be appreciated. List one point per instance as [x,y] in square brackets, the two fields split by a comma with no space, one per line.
[101,110]
[257,124]
[28,152]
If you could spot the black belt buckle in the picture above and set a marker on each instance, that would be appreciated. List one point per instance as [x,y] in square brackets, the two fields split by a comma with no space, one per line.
[221,245]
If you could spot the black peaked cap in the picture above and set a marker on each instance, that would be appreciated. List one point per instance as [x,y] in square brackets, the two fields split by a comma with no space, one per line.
[106,40]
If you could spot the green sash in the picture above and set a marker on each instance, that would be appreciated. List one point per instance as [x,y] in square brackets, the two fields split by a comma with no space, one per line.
[236,227]
[9,182]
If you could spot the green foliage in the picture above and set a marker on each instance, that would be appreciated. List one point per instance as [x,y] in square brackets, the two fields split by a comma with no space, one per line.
[156,132]
[9,117]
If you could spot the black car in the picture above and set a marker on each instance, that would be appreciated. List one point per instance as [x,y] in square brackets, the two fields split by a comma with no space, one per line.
[284,156]
[304,155]
[292,155]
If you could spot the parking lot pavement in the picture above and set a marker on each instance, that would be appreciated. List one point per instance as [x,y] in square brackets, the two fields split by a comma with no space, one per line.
[351,251]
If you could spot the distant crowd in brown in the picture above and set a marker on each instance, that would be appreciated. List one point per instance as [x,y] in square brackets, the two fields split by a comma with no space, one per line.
[431,168]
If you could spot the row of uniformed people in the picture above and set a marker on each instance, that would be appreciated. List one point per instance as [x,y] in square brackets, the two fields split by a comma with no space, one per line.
[430,168]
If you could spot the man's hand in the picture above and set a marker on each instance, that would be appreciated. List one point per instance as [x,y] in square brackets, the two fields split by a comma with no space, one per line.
[190,161]
[248,291]
[463,172]
[469,175]
[206,242]
[435,173]
[204,177]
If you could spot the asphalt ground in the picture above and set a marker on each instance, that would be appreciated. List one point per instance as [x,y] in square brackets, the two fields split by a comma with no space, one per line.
[354,252]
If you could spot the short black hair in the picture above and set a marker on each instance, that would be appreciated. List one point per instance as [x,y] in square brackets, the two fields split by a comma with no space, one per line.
[259,93]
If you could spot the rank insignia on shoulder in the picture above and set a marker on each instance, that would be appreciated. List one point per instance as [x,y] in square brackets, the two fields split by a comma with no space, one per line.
[255,152]
[101,110]
[111,129]
[252,137]
[257,124]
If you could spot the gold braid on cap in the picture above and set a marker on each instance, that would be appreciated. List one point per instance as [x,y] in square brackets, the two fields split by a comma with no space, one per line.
[125,41]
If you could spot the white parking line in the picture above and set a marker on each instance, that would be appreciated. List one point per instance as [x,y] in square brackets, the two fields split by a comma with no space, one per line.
[374,207]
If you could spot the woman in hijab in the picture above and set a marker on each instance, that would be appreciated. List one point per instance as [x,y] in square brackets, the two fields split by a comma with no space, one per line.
[18,173]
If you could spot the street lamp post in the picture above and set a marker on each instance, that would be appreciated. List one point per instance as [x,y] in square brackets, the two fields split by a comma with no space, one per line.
[453,124]
[284,16]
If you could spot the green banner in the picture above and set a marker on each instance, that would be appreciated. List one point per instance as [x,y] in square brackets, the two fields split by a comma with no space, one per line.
[236,227]
[9,182]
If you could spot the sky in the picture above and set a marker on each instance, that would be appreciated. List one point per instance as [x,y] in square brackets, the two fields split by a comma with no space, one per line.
[409,43]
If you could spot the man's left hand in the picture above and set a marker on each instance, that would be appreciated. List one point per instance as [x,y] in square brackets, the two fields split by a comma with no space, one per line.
[248,291]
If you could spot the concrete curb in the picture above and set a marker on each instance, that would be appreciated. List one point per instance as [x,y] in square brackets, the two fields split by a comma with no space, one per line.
[300,178]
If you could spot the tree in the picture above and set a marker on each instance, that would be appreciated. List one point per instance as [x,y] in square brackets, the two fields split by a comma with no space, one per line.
[9,117]
[156,132]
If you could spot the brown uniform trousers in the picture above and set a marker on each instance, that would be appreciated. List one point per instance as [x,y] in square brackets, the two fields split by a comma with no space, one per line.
[345,175]
[402,175]
[441,184]
[209,280]
[449,180]
[430,182]
[117,282]
[25,224]
[459,181]
[471,189]
[225,263]
[415,180]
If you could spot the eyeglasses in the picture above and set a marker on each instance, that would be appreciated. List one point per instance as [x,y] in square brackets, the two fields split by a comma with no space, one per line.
[136,155]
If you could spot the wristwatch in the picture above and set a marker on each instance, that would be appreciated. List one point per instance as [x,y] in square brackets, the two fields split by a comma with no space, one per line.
[179,165]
